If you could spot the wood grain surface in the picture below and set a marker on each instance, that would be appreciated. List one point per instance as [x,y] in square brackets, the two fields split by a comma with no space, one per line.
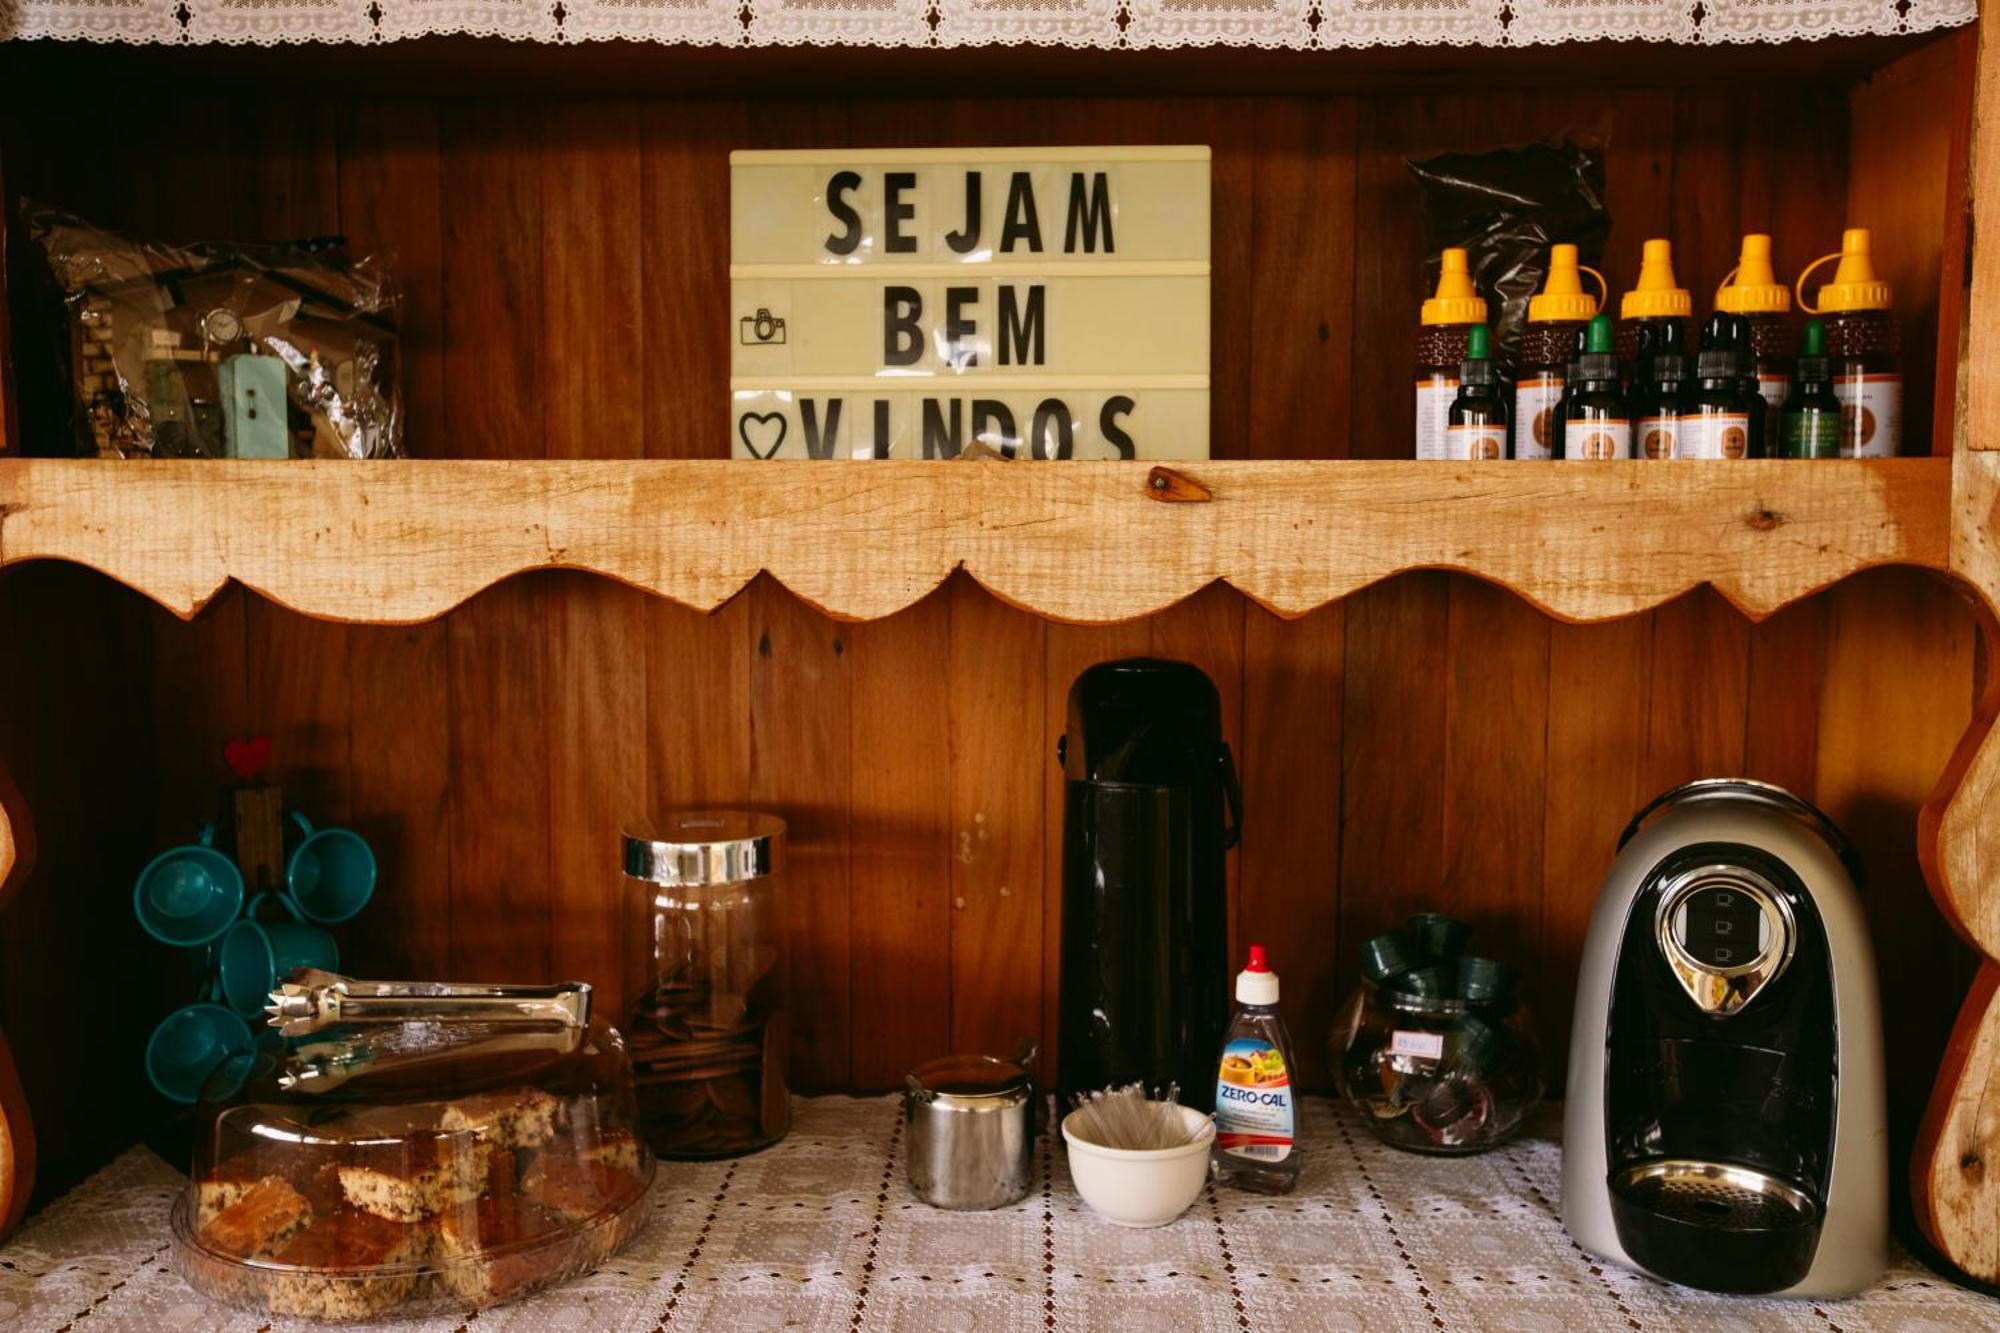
[1406,740]
[397,542]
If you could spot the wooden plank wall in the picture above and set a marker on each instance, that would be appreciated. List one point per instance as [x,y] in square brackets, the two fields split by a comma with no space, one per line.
[1432,742]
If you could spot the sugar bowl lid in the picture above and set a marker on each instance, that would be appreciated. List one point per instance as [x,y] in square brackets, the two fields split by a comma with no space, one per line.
[696,848]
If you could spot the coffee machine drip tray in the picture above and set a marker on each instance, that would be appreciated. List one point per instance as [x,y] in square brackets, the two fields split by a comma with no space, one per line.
[1715,1225]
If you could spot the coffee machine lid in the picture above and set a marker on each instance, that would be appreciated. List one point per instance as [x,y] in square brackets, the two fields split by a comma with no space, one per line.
[1749,789]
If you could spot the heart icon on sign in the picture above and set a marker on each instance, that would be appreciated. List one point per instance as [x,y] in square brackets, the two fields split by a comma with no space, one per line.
[246,759]
[763,421]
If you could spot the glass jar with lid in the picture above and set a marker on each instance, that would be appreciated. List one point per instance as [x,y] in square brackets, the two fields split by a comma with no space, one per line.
[707,1033]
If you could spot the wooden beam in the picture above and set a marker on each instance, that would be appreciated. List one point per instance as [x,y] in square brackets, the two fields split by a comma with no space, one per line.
[400,542]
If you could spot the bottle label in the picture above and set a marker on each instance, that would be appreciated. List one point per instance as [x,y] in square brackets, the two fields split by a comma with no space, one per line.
[1659,437]
[1813,433]
[1434,397]
[1535,419]
[1774,389]
[1606,437]
[1475,443]
[1710,434]
[1871,415]
[1253,1102]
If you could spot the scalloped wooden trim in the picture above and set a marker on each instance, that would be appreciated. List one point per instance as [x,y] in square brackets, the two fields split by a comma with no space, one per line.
[397,542]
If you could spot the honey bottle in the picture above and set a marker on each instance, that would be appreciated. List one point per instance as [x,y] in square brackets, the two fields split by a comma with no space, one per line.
[1550,341]
[1752,291]
[1863,347]
[1442,342]
[1652,317]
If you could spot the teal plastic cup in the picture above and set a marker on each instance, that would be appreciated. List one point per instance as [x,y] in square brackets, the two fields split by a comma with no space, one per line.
[190,1044]
[188,896]
[256,955]
[330,872]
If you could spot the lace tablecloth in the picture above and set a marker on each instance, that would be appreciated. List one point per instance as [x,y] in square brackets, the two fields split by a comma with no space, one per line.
[821,1232]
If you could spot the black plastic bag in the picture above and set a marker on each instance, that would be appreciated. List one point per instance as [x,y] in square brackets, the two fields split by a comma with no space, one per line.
[1506,207]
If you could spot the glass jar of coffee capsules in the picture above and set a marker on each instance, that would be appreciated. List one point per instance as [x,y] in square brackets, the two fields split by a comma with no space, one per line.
[707,1033]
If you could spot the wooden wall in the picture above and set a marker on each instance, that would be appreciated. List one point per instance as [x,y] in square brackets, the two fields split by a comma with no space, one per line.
[1431,742]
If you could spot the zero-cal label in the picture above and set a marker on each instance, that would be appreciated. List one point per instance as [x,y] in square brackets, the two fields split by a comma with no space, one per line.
[1253,1102]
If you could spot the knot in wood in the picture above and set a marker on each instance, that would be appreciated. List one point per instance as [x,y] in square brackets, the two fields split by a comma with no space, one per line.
[1171,487]
[1765,520]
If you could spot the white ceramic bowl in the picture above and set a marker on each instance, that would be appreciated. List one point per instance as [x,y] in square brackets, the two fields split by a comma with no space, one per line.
[1141,1189]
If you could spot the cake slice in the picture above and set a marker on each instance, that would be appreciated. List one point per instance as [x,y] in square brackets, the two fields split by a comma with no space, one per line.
[511,1117]
[580,1186]
[415,1178]
[488,1254]
[336,1263]
[261,1220]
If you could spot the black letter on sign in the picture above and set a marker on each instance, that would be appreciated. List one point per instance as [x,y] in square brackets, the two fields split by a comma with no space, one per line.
[1021,334]
[1021,217]
[1056,410]
[848,241]
[1091,216]
[817,445]
[881,427]
[896,212]
[1108,426]
[964,241]
[1004,439]
[937,442]
[902,340]
[957,329]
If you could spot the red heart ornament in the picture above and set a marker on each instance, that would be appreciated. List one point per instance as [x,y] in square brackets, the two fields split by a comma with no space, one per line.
[247,758]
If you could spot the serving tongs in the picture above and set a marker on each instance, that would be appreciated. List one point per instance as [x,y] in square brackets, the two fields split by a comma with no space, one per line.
[312,1000]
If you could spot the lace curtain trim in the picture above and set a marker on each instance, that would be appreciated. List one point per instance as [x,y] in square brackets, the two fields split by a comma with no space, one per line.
[1093,24]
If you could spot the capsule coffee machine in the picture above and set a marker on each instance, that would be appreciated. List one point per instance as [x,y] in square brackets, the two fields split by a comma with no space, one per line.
[1150,805]
[1725,1126]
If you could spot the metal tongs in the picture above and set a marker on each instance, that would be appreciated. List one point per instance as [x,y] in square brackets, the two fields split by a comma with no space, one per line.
[311,1000]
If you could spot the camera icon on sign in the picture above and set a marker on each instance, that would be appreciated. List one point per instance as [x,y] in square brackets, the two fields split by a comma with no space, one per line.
[762,329]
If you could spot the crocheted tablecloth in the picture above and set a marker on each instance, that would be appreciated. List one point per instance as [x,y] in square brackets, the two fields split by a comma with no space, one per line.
[821,1232]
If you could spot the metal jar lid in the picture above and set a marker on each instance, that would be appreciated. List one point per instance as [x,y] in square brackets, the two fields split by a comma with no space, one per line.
[696,848]
[970,1083]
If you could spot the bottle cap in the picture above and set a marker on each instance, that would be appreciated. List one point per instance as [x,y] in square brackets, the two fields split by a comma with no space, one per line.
[1813,341]
[1562,296]
[1257,983]
[1655,294]
[1725,330]
[1476,368]
[1854,285]
[1597,338]
[1755,289]
[1717,363]
[1456,302]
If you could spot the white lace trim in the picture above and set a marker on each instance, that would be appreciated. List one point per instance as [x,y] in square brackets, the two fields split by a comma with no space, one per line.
[1276,24]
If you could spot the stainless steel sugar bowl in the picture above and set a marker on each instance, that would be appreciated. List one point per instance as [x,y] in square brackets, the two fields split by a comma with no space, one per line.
[971,1122]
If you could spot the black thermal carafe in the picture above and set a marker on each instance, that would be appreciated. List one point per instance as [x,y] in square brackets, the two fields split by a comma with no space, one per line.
[1150,805]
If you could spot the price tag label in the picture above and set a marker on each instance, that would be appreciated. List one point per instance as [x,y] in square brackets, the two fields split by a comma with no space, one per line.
[1418,1045]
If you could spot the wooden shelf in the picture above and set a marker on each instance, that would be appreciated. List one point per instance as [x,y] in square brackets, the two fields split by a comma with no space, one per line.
[398,542]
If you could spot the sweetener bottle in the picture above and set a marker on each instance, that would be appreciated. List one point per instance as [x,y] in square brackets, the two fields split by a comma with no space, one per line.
[1550,341]
[1256,1105]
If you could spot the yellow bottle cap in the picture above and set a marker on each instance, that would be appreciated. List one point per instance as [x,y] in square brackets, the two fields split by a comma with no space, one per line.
[1854,285]
[1456,301]
[1655,293]
[1751,288]
[1562,296]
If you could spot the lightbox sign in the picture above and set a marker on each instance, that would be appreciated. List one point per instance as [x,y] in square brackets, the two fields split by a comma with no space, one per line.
[1041,302]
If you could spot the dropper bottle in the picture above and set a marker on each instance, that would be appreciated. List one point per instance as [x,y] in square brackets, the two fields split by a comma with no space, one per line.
[1597,424]
[1477,431]
[1443,339]
[1653,315]
[1811,419]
